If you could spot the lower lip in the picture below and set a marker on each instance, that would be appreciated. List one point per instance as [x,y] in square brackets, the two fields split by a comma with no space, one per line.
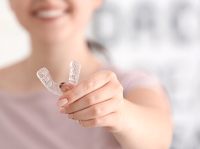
[50,19]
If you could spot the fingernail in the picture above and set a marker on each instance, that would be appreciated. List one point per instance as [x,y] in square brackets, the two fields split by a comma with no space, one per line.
[61,84]
[62,110]
[62,102]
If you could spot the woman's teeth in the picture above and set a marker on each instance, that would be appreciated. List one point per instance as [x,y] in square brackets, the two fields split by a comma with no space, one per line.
[47,14]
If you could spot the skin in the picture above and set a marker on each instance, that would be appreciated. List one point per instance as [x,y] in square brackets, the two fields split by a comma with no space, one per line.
[139,120]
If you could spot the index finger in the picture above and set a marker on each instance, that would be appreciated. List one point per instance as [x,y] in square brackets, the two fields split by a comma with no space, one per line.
[66,86]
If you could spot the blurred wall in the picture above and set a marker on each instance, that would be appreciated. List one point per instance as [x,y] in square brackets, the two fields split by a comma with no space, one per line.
[158,36]
[162,37]
[13,41]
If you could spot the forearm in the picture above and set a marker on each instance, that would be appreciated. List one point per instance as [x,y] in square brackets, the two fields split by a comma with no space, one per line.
[144,127]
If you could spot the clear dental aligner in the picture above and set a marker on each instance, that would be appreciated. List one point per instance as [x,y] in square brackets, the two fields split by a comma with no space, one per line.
[75,68]
[46,79]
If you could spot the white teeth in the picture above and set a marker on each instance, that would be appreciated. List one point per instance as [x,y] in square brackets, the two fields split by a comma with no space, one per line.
[49,13]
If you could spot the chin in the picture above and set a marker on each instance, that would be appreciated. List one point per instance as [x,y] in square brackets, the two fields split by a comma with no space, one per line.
[52,37]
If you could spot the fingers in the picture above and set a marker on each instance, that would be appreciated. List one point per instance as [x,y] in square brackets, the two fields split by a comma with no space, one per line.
[98,96]
[96,111]
[105,121]
[97,81]
[93,102]
[64,87]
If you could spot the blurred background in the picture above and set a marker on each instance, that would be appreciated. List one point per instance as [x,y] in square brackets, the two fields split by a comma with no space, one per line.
[158,36]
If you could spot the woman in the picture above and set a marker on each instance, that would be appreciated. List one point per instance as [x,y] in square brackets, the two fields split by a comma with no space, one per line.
[124,110]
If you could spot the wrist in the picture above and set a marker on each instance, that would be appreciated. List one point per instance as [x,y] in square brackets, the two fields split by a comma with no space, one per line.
[124,123]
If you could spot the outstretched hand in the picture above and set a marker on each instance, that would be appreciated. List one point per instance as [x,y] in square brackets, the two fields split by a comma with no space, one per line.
[96,102]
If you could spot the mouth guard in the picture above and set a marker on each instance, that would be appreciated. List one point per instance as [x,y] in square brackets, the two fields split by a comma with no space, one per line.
[75,68]
[46,79]
[44,76]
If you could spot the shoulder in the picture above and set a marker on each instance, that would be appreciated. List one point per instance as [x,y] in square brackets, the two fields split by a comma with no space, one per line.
[143,88]
[8,76]
[135,77]
[132,79]
[139,78]
[5,75]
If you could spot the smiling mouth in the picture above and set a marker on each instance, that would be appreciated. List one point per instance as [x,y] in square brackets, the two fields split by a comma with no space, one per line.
[50,13]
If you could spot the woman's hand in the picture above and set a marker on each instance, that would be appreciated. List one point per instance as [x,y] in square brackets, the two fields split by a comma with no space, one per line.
[135,122]
[96,102]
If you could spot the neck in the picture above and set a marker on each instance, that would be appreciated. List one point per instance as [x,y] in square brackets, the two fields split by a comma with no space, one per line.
[56,57]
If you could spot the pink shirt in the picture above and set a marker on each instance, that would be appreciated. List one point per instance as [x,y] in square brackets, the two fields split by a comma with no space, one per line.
[32,121]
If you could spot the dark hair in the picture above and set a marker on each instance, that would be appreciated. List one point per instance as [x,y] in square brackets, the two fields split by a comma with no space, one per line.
[95,46]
